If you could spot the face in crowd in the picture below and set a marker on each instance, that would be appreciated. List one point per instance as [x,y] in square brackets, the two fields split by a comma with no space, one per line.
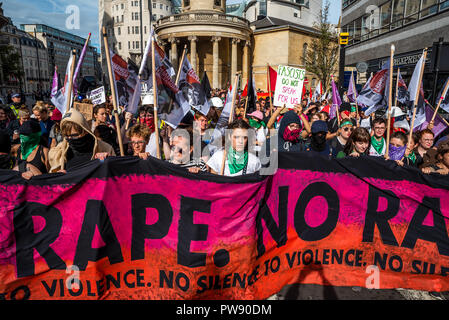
[138,144]
[180,149]
[201,121]
[239,138]
[346,131]
[361,146]
[23,116]
[41,115]
[16,100]
[100,116]
[426,141]
[2,115]
[379,130]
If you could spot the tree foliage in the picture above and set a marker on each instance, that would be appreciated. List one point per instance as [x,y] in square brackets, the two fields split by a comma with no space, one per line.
[323,52]
[11,62]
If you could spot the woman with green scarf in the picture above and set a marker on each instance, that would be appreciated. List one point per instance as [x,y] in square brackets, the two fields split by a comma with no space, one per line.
[255,121]
[238,161]
[32,156]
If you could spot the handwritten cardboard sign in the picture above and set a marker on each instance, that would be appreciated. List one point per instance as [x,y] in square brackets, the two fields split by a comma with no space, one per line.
[289,85]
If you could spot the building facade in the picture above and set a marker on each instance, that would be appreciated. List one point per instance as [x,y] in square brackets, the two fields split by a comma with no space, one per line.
[217,43]
[411,25]
[127,24]
[10,42]
[59,45]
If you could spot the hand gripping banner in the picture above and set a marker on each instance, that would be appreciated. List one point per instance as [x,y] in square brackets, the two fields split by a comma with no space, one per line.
[135,229]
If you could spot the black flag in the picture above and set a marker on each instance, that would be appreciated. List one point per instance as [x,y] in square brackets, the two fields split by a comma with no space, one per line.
[206,85]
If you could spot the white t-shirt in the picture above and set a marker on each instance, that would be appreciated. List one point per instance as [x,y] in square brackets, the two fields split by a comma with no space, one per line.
[217,159]
[261,137]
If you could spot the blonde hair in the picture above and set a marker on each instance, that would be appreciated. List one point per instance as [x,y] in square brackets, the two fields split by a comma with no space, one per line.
[40,107]
[141,131]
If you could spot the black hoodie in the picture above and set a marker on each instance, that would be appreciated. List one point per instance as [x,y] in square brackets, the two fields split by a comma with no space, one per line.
[286,146]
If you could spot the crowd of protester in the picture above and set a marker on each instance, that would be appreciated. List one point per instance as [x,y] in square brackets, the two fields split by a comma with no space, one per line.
[37,139]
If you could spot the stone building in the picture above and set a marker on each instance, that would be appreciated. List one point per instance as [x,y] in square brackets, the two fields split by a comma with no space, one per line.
[217,43]
[127,24]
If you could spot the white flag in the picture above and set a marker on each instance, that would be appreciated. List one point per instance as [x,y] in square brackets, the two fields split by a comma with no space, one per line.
[414,85]
[60,99]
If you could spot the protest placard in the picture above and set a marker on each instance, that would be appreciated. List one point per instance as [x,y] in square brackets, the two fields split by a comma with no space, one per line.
[97,96]
[86,109]
[289,85]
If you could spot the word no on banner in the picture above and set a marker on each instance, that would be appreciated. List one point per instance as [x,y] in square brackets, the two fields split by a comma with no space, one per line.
[289,86]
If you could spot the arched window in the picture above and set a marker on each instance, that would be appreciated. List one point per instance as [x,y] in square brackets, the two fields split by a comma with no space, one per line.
[186,3]
[217,3]
[304,53]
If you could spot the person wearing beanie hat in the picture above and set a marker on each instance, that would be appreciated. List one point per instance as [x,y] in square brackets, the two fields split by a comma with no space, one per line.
[6,160]
[16,104]
[79,145]
[32,156]
[318,141]
[55,135]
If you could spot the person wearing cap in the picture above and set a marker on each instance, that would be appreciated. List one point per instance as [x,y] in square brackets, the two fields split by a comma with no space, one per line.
[255,120]
[79,146]
[55,135]
[318,143]
[32,156]
[16,104]
[338,143]
[6,160]
[378,144]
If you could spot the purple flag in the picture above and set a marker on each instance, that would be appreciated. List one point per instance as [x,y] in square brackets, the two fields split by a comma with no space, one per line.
[54,86]
[78,67]
[336,100]
[439,125]
[352,91]
[444,97]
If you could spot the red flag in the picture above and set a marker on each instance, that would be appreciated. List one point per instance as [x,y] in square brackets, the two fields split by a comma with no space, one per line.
[245,91]
[273,77]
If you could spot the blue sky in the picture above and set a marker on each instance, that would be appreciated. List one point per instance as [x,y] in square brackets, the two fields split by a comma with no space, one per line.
[52,13]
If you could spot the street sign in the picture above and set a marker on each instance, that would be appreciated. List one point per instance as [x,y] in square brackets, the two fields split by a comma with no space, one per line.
[362,67]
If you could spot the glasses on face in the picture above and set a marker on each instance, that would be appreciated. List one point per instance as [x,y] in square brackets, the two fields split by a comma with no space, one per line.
[348,129]
[137,142]
[428,140]
[73,136]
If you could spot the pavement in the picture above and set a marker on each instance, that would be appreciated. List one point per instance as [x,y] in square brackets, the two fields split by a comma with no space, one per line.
[317,292]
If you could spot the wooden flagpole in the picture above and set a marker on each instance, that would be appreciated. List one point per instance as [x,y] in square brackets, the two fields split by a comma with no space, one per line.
[397,89]
[156,125]
[70,93]
[231,118]
[178,74]
[415,103]
[269,88]
[390,99]
[114,94]
[446,87]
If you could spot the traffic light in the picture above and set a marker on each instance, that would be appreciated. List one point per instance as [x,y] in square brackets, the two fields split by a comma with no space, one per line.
[344,37]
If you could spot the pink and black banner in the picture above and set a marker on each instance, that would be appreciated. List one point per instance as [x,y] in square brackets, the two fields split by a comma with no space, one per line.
[135,229]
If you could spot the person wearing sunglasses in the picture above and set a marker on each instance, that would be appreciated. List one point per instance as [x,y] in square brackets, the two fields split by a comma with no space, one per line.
[338,143]
[79,146]
[357,145]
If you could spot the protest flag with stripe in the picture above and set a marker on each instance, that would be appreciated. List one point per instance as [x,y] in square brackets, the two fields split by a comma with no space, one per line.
[439,125]
[372,96]
[336,100]
[79,65]
[352,91]
[60,98]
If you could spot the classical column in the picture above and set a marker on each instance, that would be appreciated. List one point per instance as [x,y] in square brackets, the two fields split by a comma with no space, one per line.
[235,43]
[174,52]
[193,40]
[245,64]
[216,59]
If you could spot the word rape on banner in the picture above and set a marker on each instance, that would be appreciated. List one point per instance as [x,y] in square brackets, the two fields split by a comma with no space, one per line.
[144,229]
[289,86]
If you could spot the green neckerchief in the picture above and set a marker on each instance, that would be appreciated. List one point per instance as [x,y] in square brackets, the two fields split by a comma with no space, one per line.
[256,124]
[378,145]
[29,143]
[235,160]
[412,157]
